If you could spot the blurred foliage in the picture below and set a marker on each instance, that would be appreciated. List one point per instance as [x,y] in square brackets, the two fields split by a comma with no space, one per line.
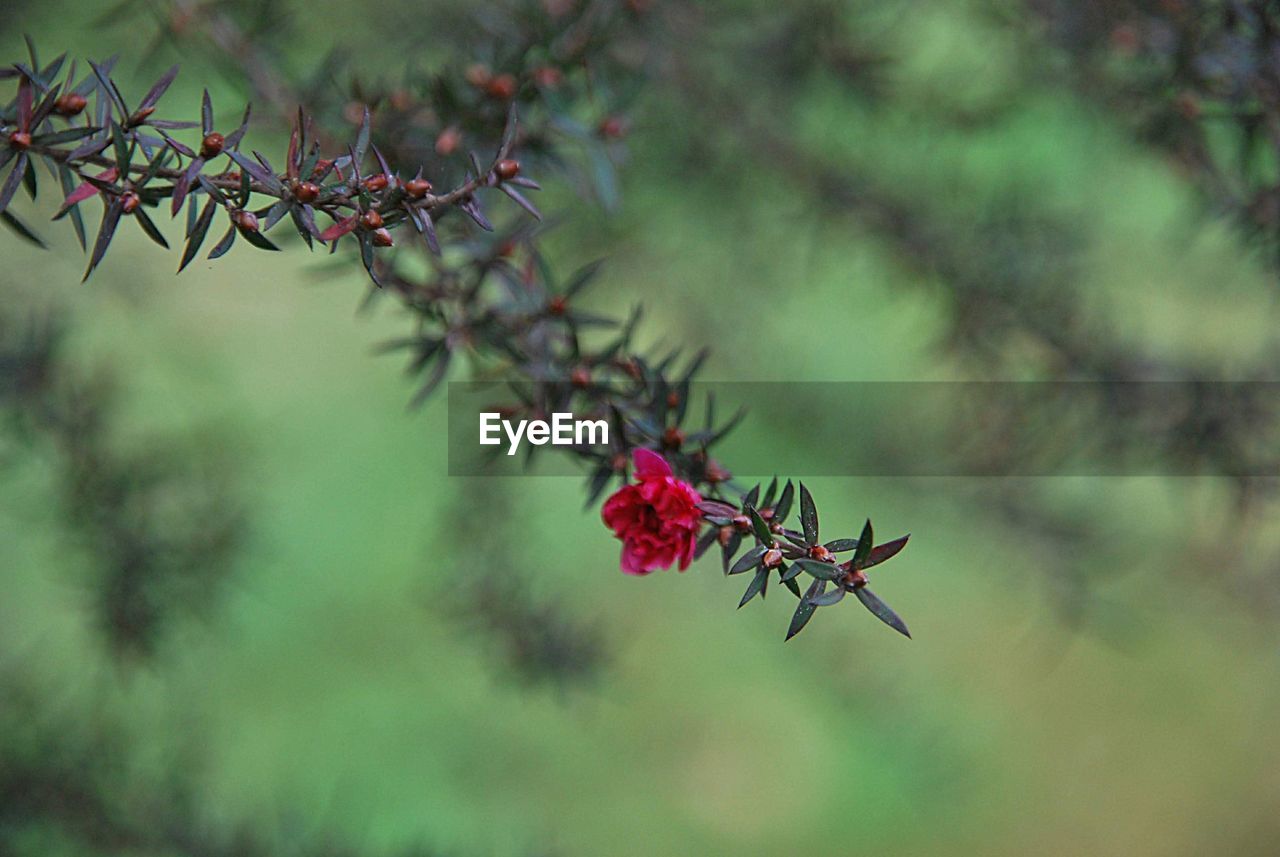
[914,190]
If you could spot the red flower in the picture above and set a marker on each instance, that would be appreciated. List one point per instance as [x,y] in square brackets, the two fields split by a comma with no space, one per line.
[657,518]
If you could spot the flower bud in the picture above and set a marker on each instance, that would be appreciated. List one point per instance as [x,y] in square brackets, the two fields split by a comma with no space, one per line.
[373,184]
[70,104]
[506,169]
[129,202]
[557,305]
[140,116]
[245,221]
[417,188]
[382,238]
[19,140]
[772,558]
[371,219]
[580,377]
[306,192]
[673,438]
[820,553]
[211,145]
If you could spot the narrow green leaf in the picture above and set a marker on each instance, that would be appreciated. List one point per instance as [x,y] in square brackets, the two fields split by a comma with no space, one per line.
[819,569]
[755,587]
[748,560]
[11,220]
[759,526]
[881,611]
[865,542]
[805,609]
[783,509]
[110,220]
[149,227]
[220,249]
[808,515]
[198,232]
[829,598]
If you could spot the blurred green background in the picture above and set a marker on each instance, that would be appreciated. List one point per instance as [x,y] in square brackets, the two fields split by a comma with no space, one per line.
[1111,691]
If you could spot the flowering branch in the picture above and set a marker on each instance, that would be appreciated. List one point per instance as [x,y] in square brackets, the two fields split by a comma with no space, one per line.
[487,295]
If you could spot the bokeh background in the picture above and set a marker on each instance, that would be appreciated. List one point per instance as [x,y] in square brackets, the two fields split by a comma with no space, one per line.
[384,659]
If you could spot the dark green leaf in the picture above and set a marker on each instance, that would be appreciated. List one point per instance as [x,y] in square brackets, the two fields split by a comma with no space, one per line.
[819,569]
[110,220]
[881,610]
[808,516]
[10,186]
[759,526]
[805,609]
[784,503]
[748,560]
[828,598]
[220,249]
[11,220]
[198,231]
[865,542]
[755,587]
[150,228]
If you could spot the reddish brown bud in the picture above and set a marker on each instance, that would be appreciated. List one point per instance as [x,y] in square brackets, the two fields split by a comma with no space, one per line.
[129,202]
[448,141]
[772,558]
[19,140]
[742,522]
[70,104]
[322,167]
[503,87]
[724,535]
[547,76]
[375,183]
[855,578]
[245,221]
[673,438]
[211,145]
[819,552]
[557,305]
[507,249]
[306,192]
[507,169]
[371,219]
[417,188]
[673,399]
[140,116]
[619,462]
[613,127]
[580,377]
[382,238]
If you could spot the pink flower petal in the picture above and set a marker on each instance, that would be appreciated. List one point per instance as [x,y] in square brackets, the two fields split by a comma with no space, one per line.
[649,465]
